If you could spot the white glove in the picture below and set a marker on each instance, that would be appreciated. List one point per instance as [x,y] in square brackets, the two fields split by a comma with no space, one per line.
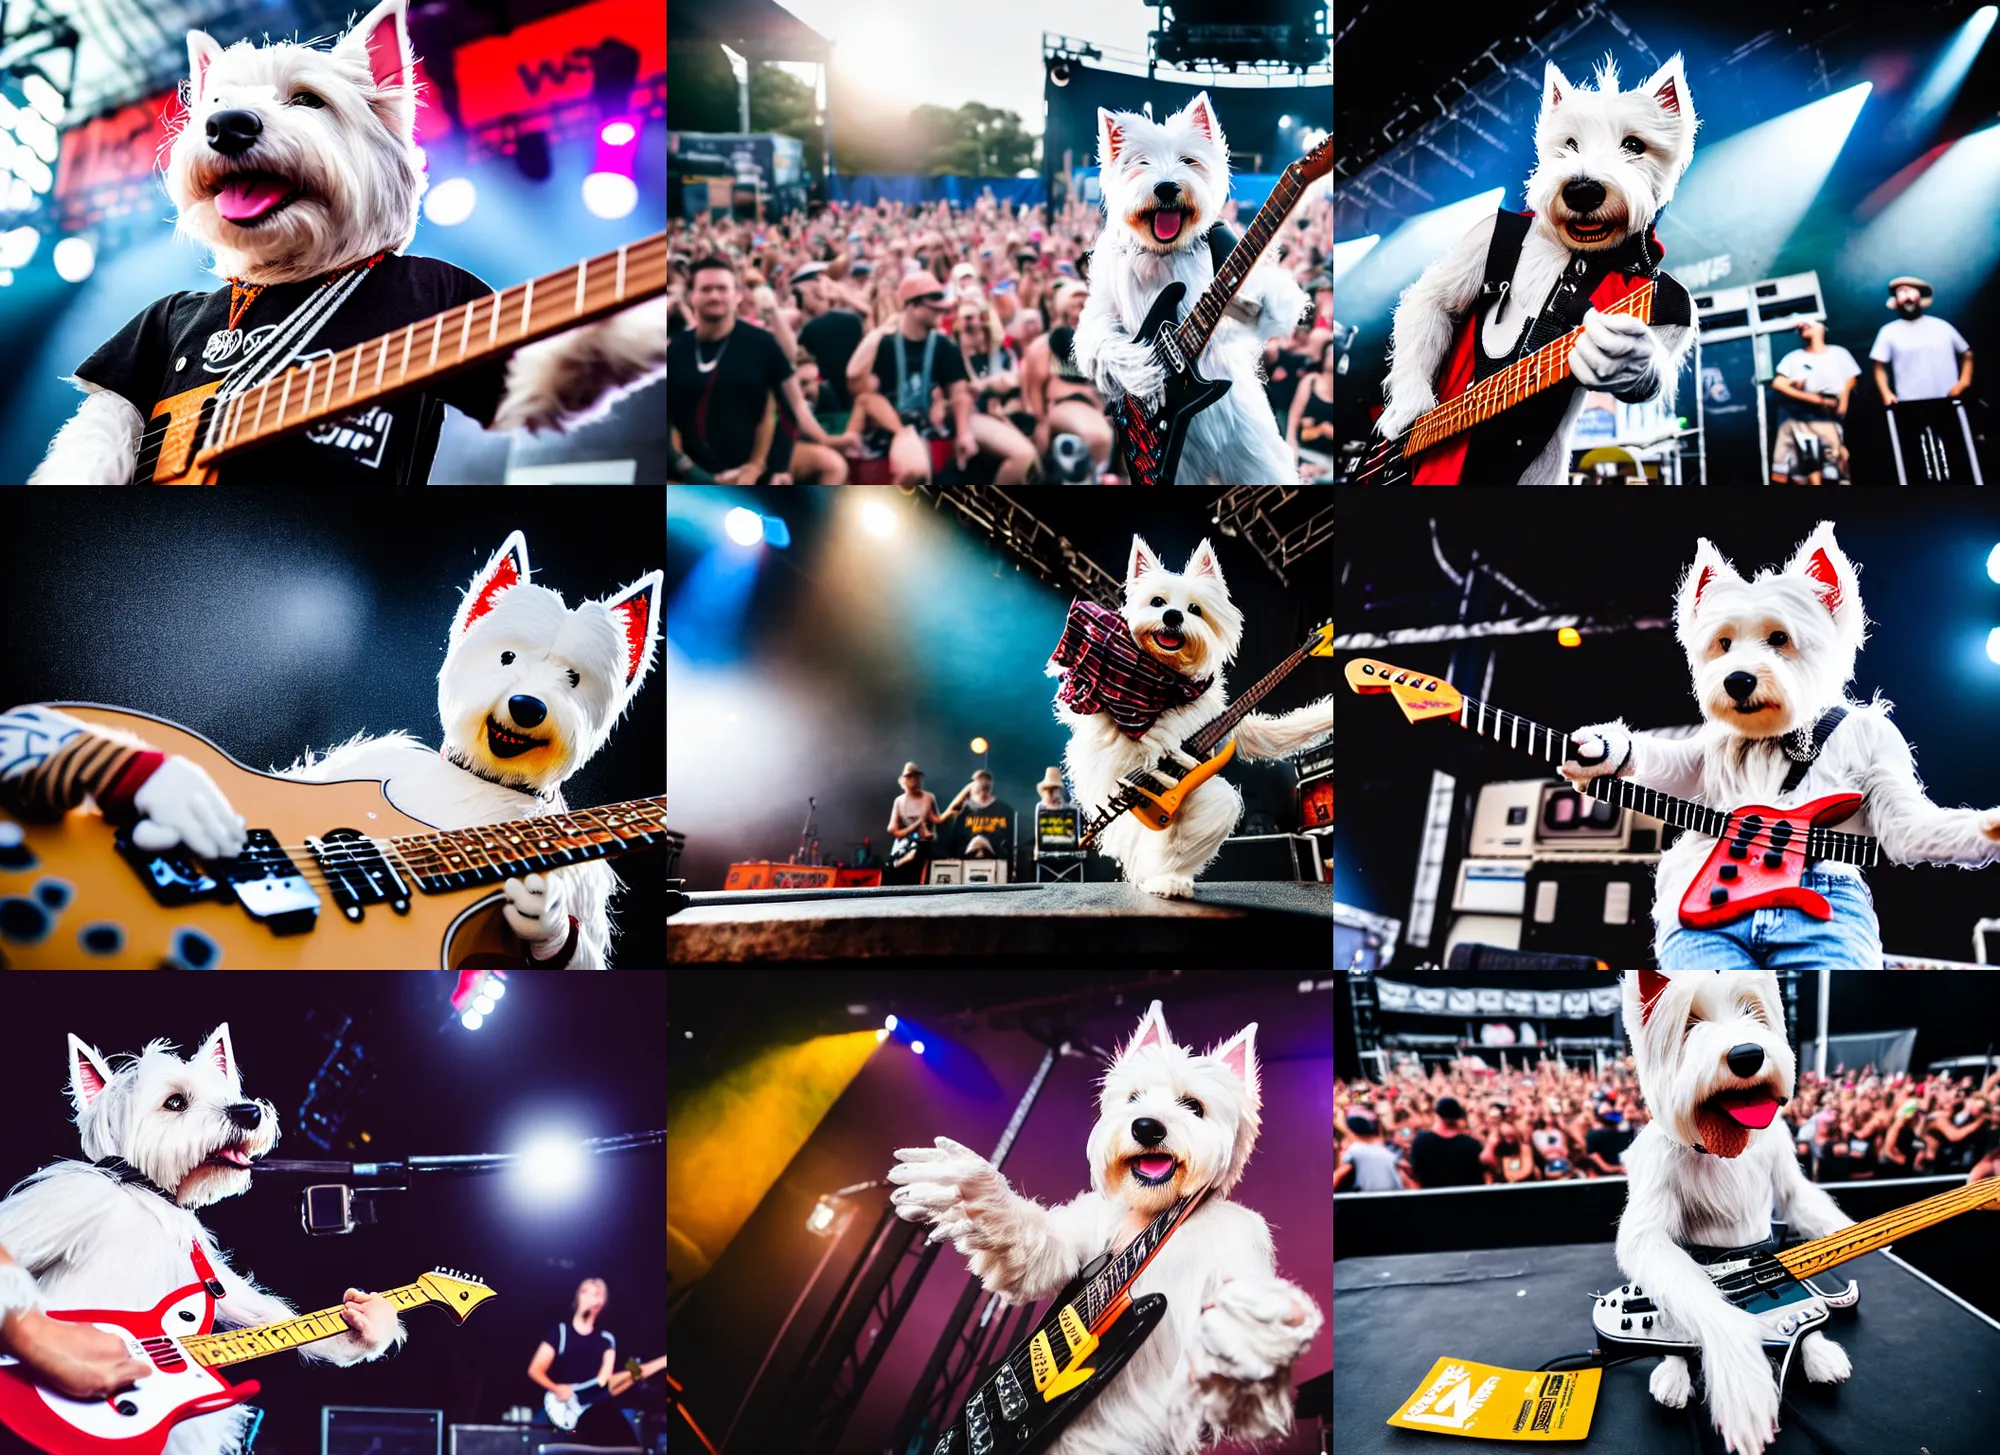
[1607,744]
[180,804]
[1617,353]
[1129,367]
[536,912]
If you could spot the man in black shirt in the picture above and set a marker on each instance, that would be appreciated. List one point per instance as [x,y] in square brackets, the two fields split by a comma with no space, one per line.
[928,361]
[1446,1156]
[829,334]
[574,1361]
[1604,1145]
[724,379]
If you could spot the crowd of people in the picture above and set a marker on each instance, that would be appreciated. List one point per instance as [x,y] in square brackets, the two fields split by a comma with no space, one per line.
[906,345]
[1471,1123]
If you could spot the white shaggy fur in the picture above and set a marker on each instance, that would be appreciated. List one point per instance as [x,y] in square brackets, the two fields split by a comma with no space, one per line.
[1219,1365]
[1165,862]
[1683,1028]
[509,639]
[1236,440]
[1726,625]
[93,1242]
[1580,136]
[360,177]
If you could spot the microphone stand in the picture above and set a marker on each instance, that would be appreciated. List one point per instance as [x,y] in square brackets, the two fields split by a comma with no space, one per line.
[806,842]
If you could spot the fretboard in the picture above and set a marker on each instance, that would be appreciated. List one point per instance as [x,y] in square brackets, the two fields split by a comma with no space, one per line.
[1121,1270]
[1547,367]
[1214,731]
[1194,330]
[236,1345]
[459,858]
[1809,1258]
[456,339]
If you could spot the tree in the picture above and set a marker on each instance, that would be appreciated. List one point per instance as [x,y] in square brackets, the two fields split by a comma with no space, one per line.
[973,141]
[781,102]
[704,91]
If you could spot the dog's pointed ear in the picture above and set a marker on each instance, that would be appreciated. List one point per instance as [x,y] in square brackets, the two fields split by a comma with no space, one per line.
[1152,1031]
[1203,562]
[1110,138]
[203,51]
[381,42]
[1201,111]
[1668,90]
[1239,1054]
[88,1075]
[1710,566]
[1555,88]
[1143,559]
[507,568]
[1652,984]
[636,612]
[1833,578]
[217,1053]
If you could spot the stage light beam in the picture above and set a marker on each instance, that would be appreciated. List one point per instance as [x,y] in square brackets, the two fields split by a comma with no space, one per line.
[1907,236]
[1993,644]
[551,1167]
[1393,264]
[1347,254]
[745,527]
[878,519]
[1941,83]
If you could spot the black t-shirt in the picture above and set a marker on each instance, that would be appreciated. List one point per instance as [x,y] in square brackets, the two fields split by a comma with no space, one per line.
[578,1356]
[717,413]
[1291,365]
[832,339]
[947,368]
[1609,1143]
[184,341]
[1451,1161]
[995,821]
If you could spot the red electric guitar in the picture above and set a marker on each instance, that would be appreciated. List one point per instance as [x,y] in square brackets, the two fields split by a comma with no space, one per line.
[1760,852]
[175,1337]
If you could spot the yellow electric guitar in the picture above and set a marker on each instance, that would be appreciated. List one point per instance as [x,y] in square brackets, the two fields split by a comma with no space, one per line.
[1154,795]
[333,877]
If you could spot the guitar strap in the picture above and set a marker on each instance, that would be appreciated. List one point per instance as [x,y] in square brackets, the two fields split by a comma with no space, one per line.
[1803,760]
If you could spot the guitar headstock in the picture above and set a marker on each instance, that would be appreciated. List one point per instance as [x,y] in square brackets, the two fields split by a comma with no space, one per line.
[1321,638]
[1419,694]
[458,1294]
[1317,162]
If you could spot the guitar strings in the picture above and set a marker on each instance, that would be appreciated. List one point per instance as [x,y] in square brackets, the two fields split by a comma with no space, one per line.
[1914,1218]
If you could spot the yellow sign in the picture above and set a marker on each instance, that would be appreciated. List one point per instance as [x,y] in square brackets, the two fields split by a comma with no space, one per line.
[1460,1397]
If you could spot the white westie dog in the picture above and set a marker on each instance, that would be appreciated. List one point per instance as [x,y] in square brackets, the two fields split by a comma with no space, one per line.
[1607,161]
[1707,1172]
[1128,703]
[530,689]
[292,164]
[1164,188]
[1171,1124]
[166,1136]
[1769,657]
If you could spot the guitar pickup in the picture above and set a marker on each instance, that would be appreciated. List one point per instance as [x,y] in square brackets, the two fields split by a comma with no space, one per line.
[173,876]
[270,888]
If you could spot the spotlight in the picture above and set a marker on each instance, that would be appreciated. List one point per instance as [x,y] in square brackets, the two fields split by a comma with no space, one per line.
[745,527]
[878,519]
[74,258]
[1059,71]
[482,1005]
[980,745]
[610,195]
[48,100]
[1993,644]
[496,988]
[472,1020]
[889,1024]
[451,201]
[551,1167]
[918,1046]
[820,1219]
[18,247]
[1284,123]
[1993,564]
[1569,636]
[618,133]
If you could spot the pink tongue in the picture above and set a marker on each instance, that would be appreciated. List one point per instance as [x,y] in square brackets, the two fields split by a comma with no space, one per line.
[1156,1166]
[244,198]
[1756,1114]
[1166,225]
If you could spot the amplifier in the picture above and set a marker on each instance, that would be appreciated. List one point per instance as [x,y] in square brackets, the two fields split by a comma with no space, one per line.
[1057,829]
[1600,907]
[356,1430]
[1268,856]
[763,874]
[968,871]
[495,1439]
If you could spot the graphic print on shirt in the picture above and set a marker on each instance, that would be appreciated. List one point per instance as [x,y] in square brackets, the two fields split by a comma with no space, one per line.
[227,347]
[364,436]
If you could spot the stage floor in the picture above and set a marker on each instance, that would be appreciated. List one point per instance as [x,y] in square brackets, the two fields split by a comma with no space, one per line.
[1926,1367]
[1254,924]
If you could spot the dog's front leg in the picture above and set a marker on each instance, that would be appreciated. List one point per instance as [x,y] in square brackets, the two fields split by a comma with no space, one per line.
[1425,321]
[243,1304]
[577,376]
[1258,736]
[1104,349]
[1249,1335]
[1812,1211]
[1017,1248]
[1912,829]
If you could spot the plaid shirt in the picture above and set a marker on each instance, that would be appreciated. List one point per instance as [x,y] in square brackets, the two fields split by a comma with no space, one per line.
[1105,671]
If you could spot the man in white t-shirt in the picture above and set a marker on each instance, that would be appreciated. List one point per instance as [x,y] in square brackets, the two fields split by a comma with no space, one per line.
[1812,384]
[1929,358]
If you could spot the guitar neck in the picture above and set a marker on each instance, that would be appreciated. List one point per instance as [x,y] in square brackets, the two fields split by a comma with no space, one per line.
[1547,367]
[1194,331]
[458,338]
[1809,1258]
[461,858]
[1098,1294]
[237,1345]
[1214,731]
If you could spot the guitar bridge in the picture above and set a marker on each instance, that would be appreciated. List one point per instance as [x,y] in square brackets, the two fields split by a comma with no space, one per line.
[357,874]
[270,888]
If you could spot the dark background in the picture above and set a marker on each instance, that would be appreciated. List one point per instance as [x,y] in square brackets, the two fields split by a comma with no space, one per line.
[1923,579]
[580,1052]
[848,655]
[276,620]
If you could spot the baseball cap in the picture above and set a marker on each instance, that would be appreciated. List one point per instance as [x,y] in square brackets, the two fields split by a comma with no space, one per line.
[1361,1124]
[919,286]
[1917,283]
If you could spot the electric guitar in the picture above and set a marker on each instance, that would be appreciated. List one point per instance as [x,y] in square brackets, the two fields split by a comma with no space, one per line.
[1154,795]
[1153,437]
[1395,461]
[333,877]
[1093,1328]
[1776,1288]
[564,1413]
[1759,854]
[191,433]
[184,1382]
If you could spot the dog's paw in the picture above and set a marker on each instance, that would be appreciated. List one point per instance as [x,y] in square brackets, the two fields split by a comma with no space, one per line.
[1742,1392]
[1254,1328]
[1168,886]
[1411,403]
[1615,353]
[1670,1384]
[954,1189]
[1989,825]
[1131,367]
[535,910]
[1825,1362]
[1599,749]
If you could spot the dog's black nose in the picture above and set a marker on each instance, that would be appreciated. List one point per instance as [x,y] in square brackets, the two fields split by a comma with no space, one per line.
[1745,1059]
[1168,193]
[1148,1133]
[1583,195]
[1740,685]
[234,132]
[1170,619]
[527,711]
[247,1115]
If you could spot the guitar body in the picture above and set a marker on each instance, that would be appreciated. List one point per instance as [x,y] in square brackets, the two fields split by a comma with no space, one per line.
[1388,465]
[75,880]
[187,415]
[1757,862]
[1012,1419]
[1153,438]
[1156,810]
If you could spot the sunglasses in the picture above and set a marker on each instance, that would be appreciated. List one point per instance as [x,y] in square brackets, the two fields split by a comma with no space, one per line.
[929,300]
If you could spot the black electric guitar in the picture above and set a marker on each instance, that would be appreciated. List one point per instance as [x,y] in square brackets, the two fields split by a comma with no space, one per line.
[1094,1326]
[1153,437]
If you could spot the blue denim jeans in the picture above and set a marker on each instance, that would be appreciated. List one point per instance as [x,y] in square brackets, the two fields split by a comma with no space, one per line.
[1785,939]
